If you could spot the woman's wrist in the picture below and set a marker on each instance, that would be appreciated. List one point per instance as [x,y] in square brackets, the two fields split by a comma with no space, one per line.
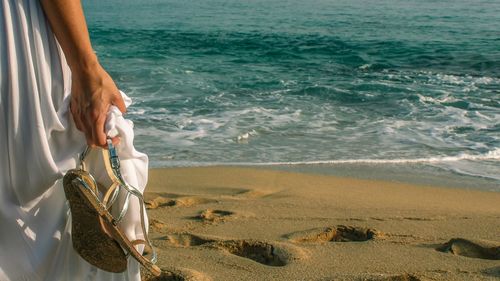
[83,65]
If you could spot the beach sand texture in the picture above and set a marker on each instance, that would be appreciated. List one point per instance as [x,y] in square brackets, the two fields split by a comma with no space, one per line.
[230,223]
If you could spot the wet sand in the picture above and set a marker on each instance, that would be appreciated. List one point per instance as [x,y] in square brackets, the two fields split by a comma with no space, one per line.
[229,223]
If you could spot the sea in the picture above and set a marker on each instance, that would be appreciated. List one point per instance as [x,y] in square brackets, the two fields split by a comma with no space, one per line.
[317,84]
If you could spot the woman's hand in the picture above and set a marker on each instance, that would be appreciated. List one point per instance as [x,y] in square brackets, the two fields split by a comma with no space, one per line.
[92,93]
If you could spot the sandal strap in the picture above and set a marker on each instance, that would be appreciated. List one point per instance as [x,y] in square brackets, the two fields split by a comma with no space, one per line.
[138,242]
[111,194]
[112,167]
[147,247]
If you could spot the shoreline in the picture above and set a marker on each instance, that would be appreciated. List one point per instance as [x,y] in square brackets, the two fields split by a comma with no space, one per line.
[234,223]
[419,174]
[412,173]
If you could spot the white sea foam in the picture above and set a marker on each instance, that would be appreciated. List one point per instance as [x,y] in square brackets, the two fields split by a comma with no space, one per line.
[443,99]
[477,165]
[140,111]
[243,138]
[489,156]
[433,116]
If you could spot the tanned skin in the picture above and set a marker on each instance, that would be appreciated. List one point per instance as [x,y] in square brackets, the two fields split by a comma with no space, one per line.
[93,90]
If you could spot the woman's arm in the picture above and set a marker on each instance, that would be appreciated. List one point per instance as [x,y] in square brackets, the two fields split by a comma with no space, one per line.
[93,90]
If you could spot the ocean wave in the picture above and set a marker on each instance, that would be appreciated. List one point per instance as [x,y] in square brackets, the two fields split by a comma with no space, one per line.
[272,88]
[493,155]
[288,49]
[489,156]
[476,165]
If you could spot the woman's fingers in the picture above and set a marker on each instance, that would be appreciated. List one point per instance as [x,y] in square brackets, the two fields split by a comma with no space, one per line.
[76,117]
[115,141]
[93,125]
[99,130]
[88,129]
[93,92]
[118,102]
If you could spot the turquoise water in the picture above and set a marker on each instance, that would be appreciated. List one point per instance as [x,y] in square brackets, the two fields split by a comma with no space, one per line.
[308,82]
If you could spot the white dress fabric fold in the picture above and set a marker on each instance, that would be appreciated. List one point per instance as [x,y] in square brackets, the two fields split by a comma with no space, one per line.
[38,144]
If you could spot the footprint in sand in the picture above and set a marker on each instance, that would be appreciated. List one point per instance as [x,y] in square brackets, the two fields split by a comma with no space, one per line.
[262,252]
[481,249]
[157,225]
[214,216]
[339,233]
[398,277]
[178,274]
[188,201]
[494,271]
[257,251]
[184,240]
[158,202]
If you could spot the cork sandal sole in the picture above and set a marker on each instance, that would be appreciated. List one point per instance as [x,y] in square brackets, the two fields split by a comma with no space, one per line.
[95,235]
[129,246]
[90,239]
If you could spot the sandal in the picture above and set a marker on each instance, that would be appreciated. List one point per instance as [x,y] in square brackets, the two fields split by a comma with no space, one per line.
[95,233]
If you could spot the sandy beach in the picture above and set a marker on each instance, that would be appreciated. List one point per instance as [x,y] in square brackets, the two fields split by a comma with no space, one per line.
[230,223]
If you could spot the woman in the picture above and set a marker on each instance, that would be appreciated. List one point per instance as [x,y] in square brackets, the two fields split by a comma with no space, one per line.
[54,95]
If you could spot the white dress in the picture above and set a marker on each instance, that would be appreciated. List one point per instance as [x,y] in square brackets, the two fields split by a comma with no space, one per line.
[38,144]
